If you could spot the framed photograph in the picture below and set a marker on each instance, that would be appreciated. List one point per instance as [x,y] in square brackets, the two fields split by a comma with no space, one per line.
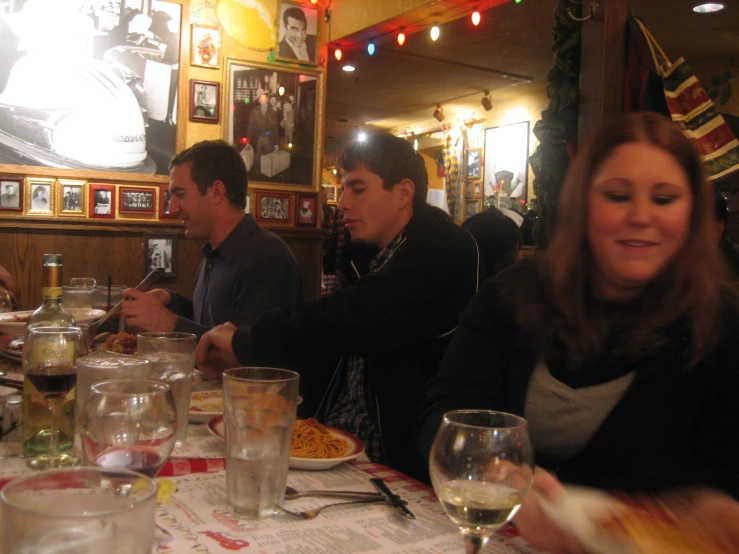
[71,198]
[297,29]
[39,196]
[307,210]
[160,250]
[473,189]
[205,48]
[165,198]
[11,194]
[133,200]
[204,101]
[507,161]
[101,201]
[138,51]
[272,118]
[332,194]
[473,164]
[274,207]
[472,207]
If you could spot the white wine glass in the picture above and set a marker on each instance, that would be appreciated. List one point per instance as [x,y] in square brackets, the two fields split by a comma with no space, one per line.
[482,467]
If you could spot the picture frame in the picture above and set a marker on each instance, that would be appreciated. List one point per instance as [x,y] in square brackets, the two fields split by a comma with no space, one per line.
[306,210]
[278,135]
[297,34]
[160,250]
[507,161]
[473,164]
[101,201]
[274,208]
[165,197]
[473,189]
[472,207]
[205,46]
[136,200]
[71,198]
[40,196]
[11,194]
[332,194]
[205,101]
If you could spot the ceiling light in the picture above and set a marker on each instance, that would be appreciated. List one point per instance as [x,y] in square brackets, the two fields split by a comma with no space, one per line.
[486,102]
[709,7]
[362,136]
[401,37]
[371,48]
[349,66]
[475,17]
[435,32]
[438,113]
[337,53]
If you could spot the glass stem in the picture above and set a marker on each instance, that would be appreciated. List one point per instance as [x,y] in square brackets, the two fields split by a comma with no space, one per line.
[55,405]
[473,544]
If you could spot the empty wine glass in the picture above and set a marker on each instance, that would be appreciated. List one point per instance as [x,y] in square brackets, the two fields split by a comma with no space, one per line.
[129,424]
[482,466]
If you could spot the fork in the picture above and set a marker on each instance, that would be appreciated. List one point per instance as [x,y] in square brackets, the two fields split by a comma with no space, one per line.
[313,512]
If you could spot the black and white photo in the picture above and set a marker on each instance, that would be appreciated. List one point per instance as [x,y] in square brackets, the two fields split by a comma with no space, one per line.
[274,207]
[297,28]
[136,200]
[472,163]
[71,199]
[160,251]
[204,101]
[40,200]
[102,201]
[11,194]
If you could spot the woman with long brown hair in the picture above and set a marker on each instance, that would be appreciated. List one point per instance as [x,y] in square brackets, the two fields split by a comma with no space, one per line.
[619,344]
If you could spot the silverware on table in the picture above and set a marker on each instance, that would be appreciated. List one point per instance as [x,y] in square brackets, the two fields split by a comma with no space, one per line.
[393,499]
[292,494]
[313,512]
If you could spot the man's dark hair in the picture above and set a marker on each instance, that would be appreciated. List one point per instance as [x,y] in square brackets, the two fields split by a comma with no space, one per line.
[295,13]
[721,205]
[216,160]
[390,157]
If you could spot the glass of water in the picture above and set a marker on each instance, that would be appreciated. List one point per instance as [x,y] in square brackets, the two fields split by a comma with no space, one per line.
[482,467]
[84,510]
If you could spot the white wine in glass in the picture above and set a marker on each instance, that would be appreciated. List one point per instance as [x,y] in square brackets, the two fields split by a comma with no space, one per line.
[482,466]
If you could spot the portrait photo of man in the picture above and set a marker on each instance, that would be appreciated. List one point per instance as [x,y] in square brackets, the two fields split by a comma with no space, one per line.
[102,202]
[297,33]
[10,195]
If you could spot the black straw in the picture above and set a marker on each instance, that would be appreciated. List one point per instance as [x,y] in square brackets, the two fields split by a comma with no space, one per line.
[110,281]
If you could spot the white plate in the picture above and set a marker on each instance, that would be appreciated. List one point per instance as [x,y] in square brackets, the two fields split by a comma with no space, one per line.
[205,405]
[9,326]
[356,446]
[577,512]
[12,354]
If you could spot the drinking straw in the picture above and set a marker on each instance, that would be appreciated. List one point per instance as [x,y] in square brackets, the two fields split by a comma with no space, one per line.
[110,281]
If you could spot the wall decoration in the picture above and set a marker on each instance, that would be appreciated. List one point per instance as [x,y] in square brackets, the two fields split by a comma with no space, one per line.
[205,101]
[297,29]
[39,196]
[160,250]
[473,163]
[71,198]
[472,207]
[133,200]
[11,194]
[272,119]
[101,201]
[473,189]
[307,210]
[119,65]
[506,161]
[274,207]
[205,48]
[332,194]
[165,198]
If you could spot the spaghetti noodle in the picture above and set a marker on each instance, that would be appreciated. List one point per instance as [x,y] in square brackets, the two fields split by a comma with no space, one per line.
[312,440]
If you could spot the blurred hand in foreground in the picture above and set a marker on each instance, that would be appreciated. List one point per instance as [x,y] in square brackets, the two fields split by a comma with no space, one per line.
[6,280]
[146,311]
[215,352]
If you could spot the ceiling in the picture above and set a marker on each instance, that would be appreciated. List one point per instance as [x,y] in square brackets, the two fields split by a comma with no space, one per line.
[509,54]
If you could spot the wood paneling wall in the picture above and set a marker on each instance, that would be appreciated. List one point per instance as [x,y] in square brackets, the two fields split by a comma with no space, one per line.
[100,251]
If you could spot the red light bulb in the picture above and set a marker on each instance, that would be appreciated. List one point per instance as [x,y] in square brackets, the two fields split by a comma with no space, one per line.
[337,54]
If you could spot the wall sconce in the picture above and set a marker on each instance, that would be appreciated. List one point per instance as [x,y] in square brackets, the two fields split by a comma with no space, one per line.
[438,113]
[486,102]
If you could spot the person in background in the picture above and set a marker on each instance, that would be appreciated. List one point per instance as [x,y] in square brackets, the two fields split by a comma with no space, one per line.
[728,248]
[618,343]
[498,239]
[245,271]
[391,328]
[263,129]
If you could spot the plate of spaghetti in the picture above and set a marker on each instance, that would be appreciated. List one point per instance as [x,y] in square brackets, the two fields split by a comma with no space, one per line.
[314,446]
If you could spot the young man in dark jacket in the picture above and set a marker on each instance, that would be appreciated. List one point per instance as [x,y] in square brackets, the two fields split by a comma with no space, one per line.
[390,329]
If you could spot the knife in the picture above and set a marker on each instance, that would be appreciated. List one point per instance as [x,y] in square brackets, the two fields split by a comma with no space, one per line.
[393,499]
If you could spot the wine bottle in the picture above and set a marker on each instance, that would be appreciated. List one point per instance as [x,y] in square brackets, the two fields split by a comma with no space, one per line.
[51,311]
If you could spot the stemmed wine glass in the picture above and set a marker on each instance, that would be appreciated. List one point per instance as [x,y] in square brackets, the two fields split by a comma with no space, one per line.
[129,424]
[482,466]
[49,356]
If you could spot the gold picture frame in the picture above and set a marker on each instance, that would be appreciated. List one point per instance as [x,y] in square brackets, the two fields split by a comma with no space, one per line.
[40,194]
[71,198]
[205,46]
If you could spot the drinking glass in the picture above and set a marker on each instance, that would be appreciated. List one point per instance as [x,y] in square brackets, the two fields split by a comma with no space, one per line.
[128,424]
[482,466]
[89,282]
[6,304]
[49,356]
[85,510]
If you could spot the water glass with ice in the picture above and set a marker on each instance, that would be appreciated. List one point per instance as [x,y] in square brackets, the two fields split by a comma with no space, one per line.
[172,357]
[259,407]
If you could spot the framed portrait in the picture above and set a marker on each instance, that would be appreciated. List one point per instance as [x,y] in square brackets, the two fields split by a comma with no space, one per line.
[133,200]
[204,101]
[134,53]
[473,189]
[205,48]
[101,201]
[274,207]
[160,250]
[306,207]
[332,194]
[473,164]
[272,119]
[39,196]
[165,198]
[472,207]
[11,194]
[507,161]
[71,198]
[297,29]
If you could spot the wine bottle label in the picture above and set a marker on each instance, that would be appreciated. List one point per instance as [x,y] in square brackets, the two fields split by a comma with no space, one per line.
[52,292]
[53,354]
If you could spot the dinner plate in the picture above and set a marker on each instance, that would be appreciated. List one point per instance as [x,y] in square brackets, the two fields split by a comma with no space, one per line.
[10,326]
[7,352]
[356,447]
[205,405]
